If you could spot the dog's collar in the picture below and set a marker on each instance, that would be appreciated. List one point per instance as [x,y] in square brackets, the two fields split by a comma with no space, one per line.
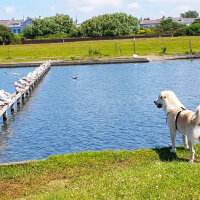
[182,109]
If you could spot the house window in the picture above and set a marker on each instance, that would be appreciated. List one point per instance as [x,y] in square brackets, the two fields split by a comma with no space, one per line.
[15,24]
[14,30]
[19,30]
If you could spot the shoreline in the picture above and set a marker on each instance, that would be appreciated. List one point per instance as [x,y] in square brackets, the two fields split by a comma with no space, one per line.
[117,60]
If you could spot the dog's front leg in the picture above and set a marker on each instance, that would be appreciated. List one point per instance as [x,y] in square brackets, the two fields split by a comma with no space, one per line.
[192,151]
[185,141]
[173,138]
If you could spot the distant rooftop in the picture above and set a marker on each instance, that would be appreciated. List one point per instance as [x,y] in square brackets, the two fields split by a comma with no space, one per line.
[147,22]
[150,21]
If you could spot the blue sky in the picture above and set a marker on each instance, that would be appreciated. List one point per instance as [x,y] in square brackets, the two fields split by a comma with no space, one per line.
[85,9]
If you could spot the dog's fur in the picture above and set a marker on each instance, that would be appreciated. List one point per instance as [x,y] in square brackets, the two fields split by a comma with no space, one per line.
[188,122]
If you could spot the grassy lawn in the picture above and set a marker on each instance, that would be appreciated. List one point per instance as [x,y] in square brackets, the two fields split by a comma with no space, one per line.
[138,174]
[100,49]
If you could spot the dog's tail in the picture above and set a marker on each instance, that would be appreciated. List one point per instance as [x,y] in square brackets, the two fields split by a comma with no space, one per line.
[196,116]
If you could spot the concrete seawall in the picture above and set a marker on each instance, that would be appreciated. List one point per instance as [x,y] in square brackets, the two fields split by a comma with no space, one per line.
[139,59]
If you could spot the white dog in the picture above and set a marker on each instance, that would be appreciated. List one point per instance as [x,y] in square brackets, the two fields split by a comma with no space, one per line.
[180,119]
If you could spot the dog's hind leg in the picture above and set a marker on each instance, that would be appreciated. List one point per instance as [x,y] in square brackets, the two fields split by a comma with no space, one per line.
[192,151]
[173,138]
[185,141]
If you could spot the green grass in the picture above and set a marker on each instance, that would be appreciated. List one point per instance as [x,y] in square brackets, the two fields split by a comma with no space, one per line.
[97,49]
[138,174]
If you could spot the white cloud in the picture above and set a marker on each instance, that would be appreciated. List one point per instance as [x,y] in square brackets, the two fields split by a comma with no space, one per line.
[10,9]
[162,12]
[133,5]
[86,8]
[174,1]
[97,3]
[93,5]
[52,8]
[183,8]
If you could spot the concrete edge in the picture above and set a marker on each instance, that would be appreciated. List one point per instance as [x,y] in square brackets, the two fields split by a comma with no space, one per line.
[79,62]
[139,59]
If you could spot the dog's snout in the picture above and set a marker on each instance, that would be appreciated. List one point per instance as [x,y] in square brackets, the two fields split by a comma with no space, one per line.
[159,106]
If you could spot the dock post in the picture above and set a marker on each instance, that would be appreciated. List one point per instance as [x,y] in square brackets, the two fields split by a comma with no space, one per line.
[18,101]
[5,116]
[23,96]
[12,108]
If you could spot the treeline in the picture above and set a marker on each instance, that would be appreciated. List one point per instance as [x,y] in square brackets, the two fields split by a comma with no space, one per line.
[62,26]
[117,24]
[168,26]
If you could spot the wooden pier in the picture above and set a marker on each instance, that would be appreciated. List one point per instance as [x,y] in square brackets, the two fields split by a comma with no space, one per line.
[21,95]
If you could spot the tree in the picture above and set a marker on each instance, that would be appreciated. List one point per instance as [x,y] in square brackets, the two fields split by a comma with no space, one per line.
[50,25]
[110,25]
[196,21]
[190,14]
[6,35]
[169,26]
[194,29]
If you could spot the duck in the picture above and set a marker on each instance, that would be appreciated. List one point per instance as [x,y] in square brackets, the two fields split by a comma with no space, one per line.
[23,82]
[20,90]
[74,77]
[5,97]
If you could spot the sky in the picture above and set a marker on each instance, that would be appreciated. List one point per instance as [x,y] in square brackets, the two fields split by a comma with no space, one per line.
[86,9]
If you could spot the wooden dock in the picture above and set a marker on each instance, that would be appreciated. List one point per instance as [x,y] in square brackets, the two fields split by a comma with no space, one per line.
[17,96]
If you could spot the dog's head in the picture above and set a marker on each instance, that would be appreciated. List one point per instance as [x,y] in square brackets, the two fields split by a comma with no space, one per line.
[162,99]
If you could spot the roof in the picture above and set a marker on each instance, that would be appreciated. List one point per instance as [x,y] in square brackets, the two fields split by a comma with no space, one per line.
[4,22]
[12,22]
[184,20]
[158,21]
[150,21]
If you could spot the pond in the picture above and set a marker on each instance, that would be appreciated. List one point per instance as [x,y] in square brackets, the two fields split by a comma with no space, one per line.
[107,107]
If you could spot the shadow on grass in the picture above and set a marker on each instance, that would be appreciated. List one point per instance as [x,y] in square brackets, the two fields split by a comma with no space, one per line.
[165,154]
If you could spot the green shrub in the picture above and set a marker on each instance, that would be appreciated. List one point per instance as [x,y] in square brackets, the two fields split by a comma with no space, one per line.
[53,36]
[181,31]
[6,35]
[194,29]
[110,25]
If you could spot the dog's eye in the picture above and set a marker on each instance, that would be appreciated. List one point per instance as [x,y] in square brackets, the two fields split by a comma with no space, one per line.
[163,97]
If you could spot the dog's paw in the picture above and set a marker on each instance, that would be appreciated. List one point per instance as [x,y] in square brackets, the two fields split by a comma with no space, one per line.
[172,150]
[191,161]
[186,146]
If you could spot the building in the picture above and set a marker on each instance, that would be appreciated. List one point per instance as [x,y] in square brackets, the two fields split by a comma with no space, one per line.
[17,25]
[184,21]
[147,22]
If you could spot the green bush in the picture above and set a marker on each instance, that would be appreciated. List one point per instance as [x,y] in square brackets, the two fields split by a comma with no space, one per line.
[53,36]
[6,35]
[110,25]
[50,26]
[169,26]
[17,38]
[181,31]
[194,29]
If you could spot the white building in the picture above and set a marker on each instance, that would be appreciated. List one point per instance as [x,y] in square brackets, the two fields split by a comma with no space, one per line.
[147,23]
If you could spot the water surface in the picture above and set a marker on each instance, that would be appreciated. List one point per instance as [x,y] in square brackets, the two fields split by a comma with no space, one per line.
[107,107]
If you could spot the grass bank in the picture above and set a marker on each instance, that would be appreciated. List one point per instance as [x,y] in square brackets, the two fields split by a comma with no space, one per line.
[138,174]
[97,49]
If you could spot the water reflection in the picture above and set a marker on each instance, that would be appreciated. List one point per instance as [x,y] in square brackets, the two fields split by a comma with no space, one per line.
[7,131]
